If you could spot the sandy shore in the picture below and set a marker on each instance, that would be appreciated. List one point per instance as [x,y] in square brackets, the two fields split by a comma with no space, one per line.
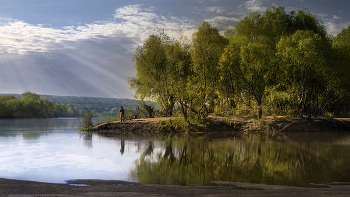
[16,188]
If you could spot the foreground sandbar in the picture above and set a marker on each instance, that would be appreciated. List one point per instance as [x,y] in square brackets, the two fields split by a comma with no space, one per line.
[107,188]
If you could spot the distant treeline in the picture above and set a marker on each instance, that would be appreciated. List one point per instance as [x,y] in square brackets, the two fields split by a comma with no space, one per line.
[277,62]
[99,106]
[31,105]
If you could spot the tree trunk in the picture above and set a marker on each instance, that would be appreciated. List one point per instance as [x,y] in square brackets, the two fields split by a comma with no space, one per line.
[259,109]
[184,111]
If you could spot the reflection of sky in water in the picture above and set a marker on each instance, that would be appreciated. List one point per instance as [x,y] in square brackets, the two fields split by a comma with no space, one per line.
[61,153]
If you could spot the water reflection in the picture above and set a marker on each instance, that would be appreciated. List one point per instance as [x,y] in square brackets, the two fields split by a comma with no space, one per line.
[33,128]
[53,150]
[87,137]
[200,160]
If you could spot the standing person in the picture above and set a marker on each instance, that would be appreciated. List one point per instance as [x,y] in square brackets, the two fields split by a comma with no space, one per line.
[122,118]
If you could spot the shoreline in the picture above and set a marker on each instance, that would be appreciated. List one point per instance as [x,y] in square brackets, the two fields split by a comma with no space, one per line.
[272,126]
[90,187]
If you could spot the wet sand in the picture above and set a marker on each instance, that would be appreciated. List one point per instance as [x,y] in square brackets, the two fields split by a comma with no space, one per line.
[17,188]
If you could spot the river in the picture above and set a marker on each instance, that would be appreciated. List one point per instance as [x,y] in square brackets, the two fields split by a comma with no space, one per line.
[53,150]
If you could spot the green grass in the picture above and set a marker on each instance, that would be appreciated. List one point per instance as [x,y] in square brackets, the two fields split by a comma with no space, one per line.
[85,128]
[163,122]
[177,123]
[181,124]
[107,119]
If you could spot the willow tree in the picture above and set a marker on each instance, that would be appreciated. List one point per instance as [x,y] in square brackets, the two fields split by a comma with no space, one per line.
[341,70]
[250,60]
[179,58]
[341,47]
[153,79]
[208,45]
[304,61]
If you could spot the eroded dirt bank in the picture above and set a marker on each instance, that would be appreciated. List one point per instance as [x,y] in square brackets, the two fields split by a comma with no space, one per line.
[120,188]
[238,125]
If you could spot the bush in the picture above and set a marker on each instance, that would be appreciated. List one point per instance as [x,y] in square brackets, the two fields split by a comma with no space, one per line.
[176,123]
[87,120]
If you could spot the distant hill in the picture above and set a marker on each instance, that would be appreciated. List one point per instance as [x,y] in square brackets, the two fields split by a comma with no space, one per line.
[99,106]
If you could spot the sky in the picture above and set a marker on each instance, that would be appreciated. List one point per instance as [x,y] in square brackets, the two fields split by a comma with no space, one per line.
[86,47]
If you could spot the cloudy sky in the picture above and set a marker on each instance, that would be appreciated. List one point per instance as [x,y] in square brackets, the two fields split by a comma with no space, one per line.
[85,47]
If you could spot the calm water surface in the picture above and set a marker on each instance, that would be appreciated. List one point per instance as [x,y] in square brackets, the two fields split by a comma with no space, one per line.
[53,150]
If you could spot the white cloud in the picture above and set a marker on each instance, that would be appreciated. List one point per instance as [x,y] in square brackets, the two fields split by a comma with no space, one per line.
[140,17]
[131,21]
[333,27]
[249,6]
[255,6]
[217,10]
[333,24]
[127,10]
[223,23]
[322,15]
[150,9]
[86,60]
[336,17]
[203,1]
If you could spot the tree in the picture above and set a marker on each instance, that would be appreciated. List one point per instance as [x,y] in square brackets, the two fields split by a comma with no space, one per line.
[178,56]
[4,108]
[208,45]
[58,111]
[70,110]
[30,96]
[15,106]
[153,79]
[87,120]
[341,57]
[341,70]
[304,61]
[250,62]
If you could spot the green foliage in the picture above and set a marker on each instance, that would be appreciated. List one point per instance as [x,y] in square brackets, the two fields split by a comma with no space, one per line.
[277,62]
[163,122]
[31,105]
[102,107]
[86,121]
[303,60]
[177,123]
[208,45]
[153,80]
[108,119]
[261,123]
[148,109]
[30,96]
[162,66]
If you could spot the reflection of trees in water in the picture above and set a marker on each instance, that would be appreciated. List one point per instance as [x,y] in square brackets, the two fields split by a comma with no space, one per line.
[87,137]
[149,149]
[33,128]
[33,135]
[122,146]
[169,153]
[199,161]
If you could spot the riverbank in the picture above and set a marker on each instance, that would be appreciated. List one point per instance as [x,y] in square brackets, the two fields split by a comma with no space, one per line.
[18,188]
[270,125]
